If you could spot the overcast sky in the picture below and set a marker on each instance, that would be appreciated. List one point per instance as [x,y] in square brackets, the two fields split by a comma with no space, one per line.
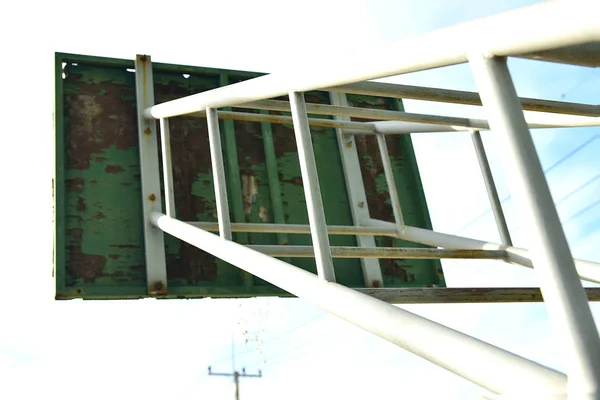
[160,349]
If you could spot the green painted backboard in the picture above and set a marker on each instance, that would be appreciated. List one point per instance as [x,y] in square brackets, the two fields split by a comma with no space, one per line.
[99,245]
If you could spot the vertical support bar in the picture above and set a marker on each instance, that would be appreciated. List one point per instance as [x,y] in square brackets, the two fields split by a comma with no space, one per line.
[356,193]
[165,141]
[59,190]
[565,298]
[391,183]
[273,176]
[312,192]
[234,182]
[490,186]
[218,170]
[156,270]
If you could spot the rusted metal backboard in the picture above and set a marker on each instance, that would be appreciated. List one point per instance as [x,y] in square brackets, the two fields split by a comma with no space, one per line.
[99,245]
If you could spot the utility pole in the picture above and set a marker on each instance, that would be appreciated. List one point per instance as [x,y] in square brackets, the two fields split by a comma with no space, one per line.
[236,378]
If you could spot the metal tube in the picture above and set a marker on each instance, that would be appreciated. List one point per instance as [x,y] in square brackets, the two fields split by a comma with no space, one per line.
[357,196]
[234,181]
[296,228]
[391,183]
[282,119]
[218,170]
[380,252]
[564,296]
[356,112]
[535,120]
[587,270]
[463,295]
[156,270]
[312,191]
[558,24]
[381,89]
[490,186]
[474,360]
[165,142]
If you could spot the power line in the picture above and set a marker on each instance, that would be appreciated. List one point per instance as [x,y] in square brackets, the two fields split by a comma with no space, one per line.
[546,171]
[570,194]
[582,211]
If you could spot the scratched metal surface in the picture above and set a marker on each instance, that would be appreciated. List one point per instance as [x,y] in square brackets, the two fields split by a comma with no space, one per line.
[99,248]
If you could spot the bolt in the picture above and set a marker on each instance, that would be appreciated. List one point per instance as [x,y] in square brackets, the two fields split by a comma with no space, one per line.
[349,144]
[148,131]
[152,197]
[361,204]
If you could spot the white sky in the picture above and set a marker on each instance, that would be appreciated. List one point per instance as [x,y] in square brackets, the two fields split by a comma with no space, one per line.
[160,349]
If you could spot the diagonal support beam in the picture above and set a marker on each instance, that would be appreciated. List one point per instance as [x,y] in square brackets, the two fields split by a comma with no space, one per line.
[357,196]
[565,298]
[312,191]
[481,363]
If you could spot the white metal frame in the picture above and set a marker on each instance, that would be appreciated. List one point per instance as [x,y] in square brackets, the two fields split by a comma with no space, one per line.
[484,44]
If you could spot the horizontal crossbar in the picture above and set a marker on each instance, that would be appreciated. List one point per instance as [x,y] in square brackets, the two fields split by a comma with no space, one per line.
[463,295]
[443,47]
[461,97]
[380,252]
[296,228]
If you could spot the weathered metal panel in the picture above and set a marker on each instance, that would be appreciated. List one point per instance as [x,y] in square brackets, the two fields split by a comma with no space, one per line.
[99,246]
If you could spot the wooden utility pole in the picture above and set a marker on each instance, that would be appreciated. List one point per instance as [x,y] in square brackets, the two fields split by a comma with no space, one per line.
[236,378]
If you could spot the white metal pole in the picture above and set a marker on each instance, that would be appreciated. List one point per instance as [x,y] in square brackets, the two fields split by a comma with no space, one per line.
[565,298]
[381,89]
[401,118]
[357,196]
[156,270]
[297,228]
[557,24]
[490,186]
[587,270]
[218,170]
[380,252]
[312,191]
[165,141]
[486,365]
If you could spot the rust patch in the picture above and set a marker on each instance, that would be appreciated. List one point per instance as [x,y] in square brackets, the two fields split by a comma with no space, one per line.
[114,256]
[80,204]
[390,268]
[85,115]
[113,169]
[152,197]
[81,265]
[158,288]
[100,215]
[74,185]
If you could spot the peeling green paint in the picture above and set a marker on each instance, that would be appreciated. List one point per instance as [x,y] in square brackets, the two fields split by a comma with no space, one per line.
[99,242]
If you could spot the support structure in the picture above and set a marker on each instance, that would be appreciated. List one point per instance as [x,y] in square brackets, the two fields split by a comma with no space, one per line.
[565,32]
[312,192]
[156,269]
[490,187]
[357,195]
[564,295]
